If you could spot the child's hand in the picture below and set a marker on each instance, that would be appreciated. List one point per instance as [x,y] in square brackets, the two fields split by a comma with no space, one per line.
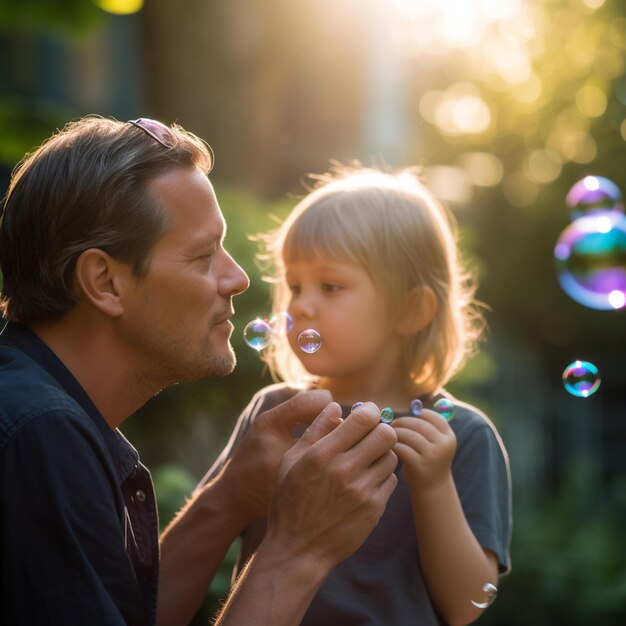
[426,446]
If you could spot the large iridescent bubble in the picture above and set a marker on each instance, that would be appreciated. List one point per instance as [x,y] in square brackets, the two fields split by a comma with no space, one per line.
[590,259]
[592,194]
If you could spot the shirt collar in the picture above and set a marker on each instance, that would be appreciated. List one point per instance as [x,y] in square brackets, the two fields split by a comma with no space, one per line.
[123,454]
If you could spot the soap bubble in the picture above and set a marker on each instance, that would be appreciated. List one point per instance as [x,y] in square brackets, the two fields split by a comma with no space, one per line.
[445,408]
[591,194]
[355,406]
[257,334]
[590,259]
[488,594]
[415,408]
[581,379]
[386,415]
[309,341]
[281,323]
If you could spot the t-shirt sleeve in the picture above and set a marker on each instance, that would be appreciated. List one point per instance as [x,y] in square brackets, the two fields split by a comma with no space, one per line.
[482,477]
[241,427]
[263,400]
[62,539]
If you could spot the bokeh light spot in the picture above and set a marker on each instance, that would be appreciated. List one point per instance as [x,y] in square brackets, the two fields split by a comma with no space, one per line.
[542,166]
[591,101]
[483,169]
[121,7]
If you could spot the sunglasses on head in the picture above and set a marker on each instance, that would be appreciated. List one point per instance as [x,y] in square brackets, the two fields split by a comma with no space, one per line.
[163,134]
[157,130]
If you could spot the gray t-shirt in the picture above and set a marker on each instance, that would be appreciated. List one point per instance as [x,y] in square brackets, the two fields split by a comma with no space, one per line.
[382,583]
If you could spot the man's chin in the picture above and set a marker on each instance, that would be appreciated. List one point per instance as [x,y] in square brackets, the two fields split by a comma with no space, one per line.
[220,366]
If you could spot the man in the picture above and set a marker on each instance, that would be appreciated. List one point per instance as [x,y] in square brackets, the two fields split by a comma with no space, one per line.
[116,285]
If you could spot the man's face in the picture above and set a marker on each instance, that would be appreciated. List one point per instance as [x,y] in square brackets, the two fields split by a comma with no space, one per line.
[178,315]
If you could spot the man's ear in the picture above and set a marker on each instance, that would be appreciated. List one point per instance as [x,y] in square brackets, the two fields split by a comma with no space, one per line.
[97,279]
[419,309]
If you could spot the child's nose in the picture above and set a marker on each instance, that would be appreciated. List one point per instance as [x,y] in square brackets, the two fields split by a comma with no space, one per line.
[302,307]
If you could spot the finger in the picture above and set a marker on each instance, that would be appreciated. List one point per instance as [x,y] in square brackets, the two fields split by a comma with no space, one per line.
[369,480]
[356,429]
[422,427]
[386,489]
[383,466]
[405,452]
[377,501]
[374,445]
[302,408]
[436,419]
[413,440]
[325,423]
[380,488]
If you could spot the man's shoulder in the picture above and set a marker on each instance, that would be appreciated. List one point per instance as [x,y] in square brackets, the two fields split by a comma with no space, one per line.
[27,392]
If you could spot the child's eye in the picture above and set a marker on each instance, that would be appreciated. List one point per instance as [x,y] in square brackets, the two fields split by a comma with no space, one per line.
[294,289]
[330,287]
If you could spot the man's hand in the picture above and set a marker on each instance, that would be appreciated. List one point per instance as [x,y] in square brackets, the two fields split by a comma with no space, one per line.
[331,489]
[333,485]
[251,472]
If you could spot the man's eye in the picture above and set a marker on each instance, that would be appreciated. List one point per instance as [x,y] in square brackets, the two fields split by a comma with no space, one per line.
[204,258]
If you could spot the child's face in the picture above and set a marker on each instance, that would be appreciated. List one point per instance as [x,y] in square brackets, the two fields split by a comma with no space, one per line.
[340,301]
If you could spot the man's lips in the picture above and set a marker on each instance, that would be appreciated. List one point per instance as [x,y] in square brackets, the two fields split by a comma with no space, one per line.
[223,317]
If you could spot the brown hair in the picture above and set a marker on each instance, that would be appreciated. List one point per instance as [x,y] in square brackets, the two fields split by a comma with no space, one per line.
[85,187]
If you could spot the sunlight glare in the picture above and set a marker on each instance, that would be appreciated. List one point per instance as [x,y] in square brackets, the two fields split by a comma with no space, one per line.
[458,23]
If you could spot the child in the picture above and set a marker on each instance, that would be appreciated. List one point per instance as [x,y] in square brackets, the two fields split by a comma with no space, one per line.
[369,260]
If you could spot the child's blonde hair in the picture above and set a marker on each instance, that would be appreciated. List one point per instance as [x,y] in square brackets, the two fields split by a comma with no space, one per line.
[388,223]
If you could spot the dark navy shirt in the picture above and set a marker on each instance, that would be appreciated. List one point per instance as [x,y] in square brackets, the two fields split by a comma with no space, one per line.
[78,521]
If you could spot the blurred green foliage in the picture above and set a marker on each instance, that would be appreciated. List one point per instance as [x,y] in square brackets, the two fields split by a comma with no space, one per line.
[568,561]
[68,16]
[173,486]
[24,124]
[27,119]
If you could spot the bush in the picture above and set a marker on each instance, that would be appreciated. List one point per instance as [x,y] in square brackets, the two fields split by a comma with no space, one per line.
[568,562]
